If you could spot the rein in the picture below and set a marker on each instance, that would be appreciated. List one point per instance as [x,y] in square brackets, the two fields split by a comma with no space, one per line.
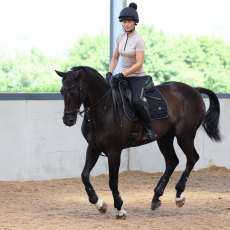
[75,112]
[86,110]
[115,101]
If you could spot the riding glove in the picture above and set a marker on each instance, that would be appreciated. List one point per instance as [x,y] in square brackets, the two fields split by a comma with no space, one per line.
[108,76]
[118,76]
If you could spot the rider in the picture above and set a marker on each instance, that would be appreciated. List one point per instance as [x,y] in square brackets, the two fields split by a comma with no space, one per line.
[130,45]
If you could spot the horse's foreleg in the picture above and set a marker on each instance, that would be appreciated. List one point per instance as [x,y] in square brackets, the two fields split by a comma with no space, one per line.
[91,159]
[187,145]
[166,147]
[114,165]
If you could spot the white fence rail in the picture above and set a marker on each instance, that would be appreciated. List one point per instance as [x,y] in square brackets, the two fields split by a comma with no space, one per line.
[36,145]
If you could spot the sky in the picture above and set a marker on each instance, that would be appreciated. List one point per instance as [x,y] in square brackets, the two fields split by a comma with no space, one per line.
[53,25]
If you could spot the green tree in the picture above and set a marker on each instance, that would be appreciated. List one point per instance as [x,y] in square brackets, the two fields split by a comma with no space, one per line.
[198,61]
[90,51]
[209,58]
[29,71]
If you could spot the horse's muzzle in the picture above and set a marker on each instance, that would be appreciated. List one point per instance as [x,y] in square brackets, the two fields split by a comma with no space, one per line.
[69,120]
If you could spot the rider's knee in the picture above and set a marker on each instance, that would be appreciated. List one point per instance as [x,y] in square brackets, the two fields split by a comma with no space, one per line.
[138,104]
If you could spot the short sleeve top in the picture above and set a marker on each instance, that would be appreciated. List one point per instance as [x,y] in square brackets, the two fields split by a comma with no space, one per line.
[128,45]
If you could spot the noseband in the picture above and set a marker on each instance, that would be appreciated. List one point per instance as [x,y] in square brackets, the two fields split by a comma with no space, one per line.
[76,111]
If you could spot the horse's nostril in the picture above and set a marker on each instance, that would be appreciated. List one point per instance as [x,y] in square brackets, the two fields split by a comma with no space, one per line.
[71,121]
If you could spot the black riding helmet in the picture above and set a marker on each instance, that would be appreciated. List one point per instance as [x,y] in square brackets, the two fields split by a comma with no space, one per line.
[130,13]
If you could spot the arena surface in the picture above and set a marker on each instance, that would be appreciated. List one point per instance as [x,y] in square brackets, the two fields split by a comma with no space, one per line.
[63,204]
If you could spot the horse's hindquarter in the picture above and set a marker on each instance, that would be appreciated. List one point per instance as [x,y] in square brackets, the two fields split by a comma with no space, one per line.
[186,107]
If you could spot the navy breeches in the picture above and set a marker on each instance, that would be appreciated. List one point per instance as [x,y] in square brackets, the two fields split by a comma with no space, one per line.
[136,84]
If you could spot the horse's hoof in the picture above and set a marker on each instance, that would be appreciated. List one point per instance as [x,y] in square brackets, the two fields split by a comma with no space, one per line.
[180,201]
[121,215]
[101,206]
[155,205]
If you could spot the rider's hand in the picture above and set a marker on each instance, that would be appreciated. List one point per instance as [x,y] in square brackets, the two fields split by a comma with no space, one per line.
[108,76]
[118,76]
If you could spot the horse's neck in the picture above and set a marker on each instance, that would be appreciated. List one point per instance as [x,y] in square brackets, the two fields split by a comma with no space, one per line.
[96,92]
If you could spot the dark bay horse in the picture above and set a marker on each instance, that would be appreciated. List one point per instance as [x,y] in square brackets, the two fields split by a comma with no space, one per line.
[186,110]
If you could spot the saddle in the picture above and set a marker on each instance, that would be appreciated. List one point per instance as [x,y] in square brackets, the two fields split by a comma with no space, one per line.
[154,101]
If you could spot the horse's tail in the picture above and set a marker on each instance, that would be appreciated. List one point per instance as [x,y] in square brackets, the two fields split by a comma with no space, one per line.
[210,122]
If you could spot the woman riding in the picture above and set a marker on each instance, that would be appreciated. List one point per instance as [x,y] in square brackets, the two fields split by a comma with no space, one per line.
[130,46]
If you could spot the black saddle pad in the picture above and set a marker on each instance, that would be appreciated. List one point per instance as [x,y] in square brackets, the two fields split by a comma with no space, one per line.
[154,100]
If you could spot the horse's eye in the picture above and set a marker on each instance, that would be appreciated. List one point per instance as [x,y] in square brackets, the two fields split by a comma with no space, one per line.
[73,94]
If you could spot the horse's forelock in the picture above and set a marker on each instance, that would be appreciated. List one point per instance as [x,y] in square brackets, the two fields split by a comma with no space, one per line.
[70,79]
[73,75]
[88,73]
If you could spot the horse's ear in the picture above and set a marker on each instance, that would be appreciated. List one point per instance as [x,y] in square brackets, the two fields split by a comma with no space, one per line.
[61,74]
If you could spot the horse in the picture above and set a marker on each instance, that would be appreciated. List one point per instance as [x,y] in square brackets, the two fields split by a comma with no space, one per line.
[83,85]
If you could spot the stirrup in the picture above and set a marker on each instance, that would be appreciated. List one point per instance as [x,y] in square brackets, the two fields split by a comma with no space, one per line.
[150,134]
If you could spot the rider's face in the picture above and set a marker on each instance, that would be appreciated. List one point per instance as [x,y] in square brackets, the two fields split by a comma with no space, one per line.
[128,25]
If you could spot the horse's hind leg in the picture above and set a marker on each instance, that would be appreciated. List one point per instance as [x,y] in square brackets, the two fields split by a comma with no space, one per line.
[187,145]
[92,156]
[166,147]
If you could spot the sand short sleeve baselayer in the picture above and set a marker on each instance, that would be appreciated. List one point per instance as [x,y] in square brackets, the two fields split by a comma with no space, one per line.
[127,47]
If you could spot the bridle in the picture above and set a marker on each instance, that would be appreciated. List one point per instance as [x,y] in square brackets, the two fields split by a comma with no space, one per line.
[76,111]
[83,95]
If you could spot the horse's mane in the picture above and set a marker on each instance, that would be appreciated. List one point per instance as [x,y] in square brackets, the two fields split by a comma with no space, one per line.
[92,76]
[87,69]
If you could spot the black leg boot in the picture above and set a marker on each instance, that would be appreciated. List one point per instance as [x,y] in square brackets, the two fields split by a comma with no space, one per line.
[149,133]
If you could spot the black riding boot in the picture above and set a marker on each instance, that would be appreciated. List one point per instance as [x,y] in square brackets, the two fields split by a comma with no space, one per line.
[150,133]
